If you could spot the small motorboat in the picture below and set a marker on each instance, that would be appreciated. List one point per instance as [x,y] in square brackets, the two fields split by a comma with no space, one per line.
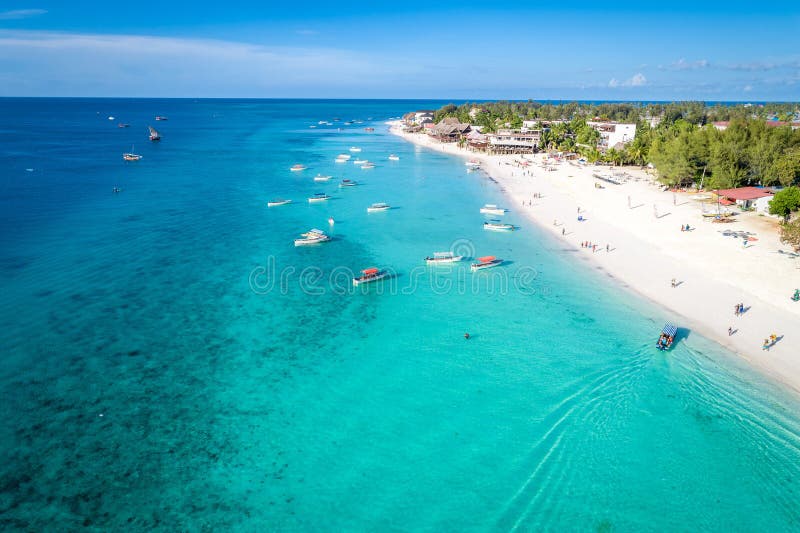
[298,168]
[495,225]
[121,125]
[367,166]
[161,117]
[491,209]
[355,149]
[487,261]
[277,202]
[347,183]
[360,161]
[313,236]
[369,275]
[342,158]
[111,118]
[322,177]
[440,258]
[374,208]
[393,157]
[667,337]
[369,129]
[319,197]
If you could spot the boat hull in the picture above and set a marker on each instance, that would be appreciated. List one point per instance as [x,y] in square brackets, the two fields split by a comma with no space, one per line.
[499,228]
[371,279]
[483,266]
[443,260]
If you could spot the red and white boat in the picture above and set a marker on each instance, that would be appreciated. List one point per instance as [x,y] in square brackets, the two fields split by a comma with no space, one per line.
[369,275]
[487,261]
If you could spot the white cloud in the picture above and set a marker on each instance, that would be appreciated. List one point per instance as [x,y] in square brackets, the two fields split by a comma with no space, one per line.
[682,64]
[15,14]
[47,63]
[637,80]
[747,88]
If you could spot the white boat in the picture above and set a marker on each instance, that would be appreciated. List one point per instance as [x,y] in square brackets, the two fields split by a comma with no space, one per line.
[359,161]
[321,177]
[367,165]
[374,208]
[343,158]
[130,156]
[491,209]
[498,226]
[319,197]
[355,149]
[487,261]
[394,158]
[298,168]
[347,183]
[443,257]
[473,163]
[369,275]
[314,236]
[277,202]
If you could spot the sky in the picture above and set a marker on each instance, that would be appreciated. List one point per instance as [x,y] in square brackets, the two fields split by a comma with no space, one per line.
[464,50]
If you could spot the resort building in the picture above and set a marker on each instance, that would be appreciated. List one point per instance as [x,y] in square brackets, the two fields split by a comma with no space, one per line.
[613,134]
[514,141]
[449,130]
[757,198]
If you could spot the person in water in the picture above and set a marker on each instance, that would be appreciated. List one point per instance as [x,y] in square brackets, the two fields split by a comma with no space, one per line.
[466,336]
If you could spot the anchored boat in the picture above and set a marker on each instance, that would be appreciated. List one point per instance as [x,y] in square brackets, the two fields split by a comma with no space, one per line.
[355,149]
[487,261]
[298,168]
[319,197]
[347,183]
[154,135]
[313,236]
[321,177]
[374,208]
[667,337]
[130,156]
[443,257]
[393,157]
[369,275]
[277,202]
[491,209]
[498,226]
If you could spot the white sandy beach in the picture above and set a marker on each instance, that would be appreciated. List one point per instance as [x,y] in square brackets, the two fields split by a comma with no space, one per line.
[648,249]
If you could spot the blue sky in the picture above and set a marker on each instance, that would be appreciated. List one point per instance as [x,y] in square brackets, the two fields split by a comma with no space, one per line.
[412,49]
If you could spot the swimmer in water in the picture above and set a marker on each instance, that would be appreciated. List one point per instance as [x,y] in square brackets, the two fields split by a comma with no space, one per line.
[466,336]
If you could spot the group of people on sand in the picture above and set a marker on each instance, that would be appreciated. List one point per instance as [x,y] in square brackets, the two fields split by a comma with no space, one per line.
[593,246]
[769,342]
[685,227]
[738,309]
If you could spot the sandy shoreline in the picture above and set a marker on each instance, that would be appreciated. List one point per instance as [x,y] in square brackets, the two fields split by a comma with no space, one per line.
[647,250]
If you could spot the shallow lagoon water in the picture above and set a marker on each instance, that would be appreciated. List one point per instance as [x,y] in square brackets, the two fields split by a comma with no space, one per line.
[172,361]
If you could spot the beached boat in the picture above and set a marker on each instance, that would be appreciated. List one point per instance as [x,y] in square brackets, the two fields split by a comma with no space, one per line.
[298,168]
[369,275]
[487,261]
[313,236]
[277,202]
[498,226]
[374,208]
[367,166]
[360,161]
[322,177]
[319,197]
[667,337]
[161,117]
[491,209]
[130,156]
[154,135]
[355,149]
[440,258]
[473,163]
[347,183]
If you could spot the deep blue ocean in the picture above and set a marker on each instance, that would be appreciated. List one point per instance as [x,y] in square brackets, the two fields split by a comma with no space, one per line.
[171,361]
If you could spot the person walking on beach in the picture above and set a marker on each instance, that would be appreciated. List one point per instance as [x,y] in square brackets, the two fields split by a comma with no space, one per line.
[766,345]
[674,283]
[563,231]
[608,248]
[730,331]
[736,310]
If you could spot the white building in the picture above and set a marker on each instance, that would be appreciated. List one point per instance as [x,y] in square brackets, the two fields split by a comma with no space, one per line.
[613,134]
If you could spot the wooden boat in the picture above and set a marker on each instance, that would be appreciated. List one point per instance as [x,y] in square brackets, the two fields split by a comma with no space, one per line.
[440,258]
[347,183]
[498,226]
[321,177]
[667,337]
[374,208]
[154,135]
[491,209]
[319,197]
[487,261]
[313,236]
[368,165]
[161,117]
[298,168]
[121,125]
[369,275]
[277,202]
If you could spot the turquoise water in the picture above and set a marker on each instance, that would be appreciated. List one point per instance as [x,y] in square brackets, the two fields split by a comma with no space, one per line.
[172,361]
